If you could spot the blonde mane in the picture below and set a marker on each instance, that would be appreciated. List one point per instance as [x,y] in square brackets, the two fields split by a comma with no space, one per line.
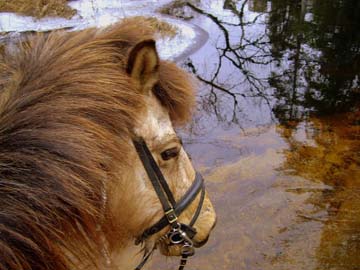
[67,112]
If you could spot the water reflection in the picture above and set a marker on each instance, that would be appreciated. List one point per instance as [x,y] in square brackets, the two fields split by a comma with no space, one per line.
[258,5]
[329,153]
[277,132]
[240,56]
[292,68]
[321,44]
[299,56]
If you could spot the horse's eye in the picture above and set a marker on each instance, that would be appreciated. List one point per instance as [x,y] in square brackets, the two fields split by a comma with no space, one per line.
[170,153]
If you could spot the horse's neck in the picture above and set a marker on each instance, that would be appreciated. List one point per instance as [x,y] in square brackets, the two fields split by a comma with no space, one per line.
[127,257]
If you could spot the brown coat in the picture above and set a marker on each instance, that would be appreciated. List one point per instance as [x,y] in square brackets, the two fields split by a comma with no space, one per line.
[67,108]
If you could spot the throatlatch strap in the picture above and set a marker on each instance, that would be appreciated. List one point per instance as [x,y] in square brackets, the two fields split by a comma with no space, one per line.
[144,260]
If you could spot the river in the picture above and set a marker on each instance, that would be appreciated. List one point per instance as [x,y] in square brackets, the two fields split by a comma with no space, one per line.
[277,132]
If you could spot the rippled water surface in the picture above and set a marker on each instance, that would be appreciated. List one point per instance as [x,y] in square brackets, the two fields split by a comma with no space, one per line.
[277,132]
[277,128]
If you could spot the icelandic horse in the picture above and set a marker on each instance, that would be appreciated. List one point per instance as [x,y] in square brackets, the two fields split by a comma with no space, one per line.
[74,193]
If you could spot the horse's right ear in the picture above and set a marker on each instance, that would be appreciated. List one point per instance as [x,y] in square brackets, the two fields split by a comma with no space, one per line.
[143,65]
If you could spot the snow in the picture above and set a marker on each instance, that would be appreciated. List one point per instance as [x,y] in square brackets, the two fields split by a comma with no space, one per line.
[102,13]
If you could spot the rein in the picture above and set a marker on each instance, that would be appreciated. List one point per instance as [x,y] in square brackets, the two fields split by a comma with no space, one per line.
[179,233]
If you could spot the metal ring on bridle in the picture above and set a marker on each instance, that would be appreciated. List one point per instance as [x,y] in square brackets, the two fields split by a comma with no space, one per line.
[176,237]
[187,250]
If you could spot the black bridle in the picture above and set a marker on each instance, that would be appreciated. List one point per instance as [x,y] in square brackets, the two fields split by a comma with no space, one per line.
[179,234]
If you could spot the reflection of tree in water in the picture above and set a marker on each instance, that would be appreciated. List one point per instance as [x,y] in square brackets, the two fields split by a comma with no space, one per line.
[315,45]
[322,48]
[313,48]
[286,33]
[331,157]
[239,55]
[337,27]
[258,5]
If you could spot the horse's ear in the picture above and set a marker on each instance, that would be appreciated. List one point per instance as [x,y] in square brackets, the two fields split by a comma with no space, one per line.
[143,64]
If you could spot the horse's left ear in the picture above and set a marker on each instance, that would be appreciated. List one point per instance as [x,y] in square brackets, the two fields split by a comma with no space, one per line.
[143,64]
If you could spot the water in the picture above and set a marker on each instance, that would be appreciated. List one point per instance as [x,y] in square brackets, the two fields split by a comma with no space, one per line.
[277,127]
[277,133]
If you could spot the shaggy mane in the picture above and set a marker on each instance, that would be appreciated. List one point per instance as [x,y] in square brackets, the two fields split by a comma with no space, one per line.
[67,110]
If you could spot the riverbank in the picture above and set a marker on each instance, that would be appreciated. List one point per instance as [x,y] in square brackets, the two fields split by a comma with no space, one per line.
[176,39]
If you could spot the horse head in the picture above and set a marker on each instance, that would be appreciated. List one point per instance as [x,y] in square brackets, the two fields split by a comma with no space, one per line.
[168,94]
[81,114]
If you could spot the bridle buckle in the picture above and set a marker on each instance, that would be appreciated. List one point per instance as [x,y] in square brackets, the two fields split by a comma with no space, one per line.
[171,215]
